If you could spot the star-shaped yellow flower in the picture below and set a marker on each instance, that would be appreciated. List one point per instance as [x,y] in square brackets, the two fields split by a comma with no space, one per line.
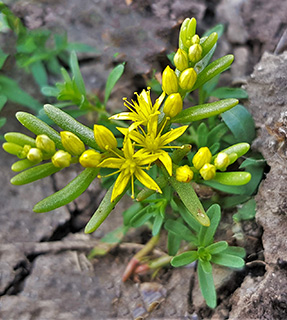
[153,142]
[141,110]
[129,166]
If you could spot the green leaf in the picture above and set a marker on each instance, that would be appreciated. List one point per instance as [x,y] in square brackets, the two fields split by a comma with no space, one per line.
[66,122]
[35,173]
[190,200]
[179,230]
[38,127]
[39,73]
[69,193]
[184,258]
[20,139]
[81,47]
[235,251]
[232,178]
[219,29]
[217,247]
[173,243]
[228,260]
[115,236]
[3,100]
[129,213]
[15,94]
[226,92]
[209,43]
[104,209]
[206,233]
[3,55]
[77,73]
[213,69]
[206,285]
[240,123]
[246,212]
[206,266]
[216,134]
[158,221]
[50,91]
[141,217]
[202,133]
[113,78]
[204,111]
[22,165]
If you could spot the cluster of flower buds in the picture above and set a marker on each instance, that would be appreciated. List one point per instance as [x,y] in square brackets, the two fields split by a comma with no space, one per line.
[33,151]
[205,165]
[176,83]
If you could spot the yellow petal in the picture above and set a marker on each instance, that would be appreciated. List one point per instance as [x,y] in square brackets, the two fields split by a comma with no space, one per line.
[120,185]
[114,163]
[166,160]
[172,135]
[146,180]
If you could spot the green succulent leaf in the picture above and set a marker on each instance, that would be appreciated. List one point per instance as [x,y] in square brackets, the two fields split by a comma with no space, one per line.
[158,221]
[20,139]
[228,260]
[38,127]
[77,73]
[209,43]
[206,285]
[34,174]
[240,122]
[246,212]
[213,69]
[69,193]
[232,178]
[226,92]
[206,233]
[180,230]
[206,266]
[173,243]
[217,247]
[235,251]
[184,258]
[204,111]
[66,122]
[190,200]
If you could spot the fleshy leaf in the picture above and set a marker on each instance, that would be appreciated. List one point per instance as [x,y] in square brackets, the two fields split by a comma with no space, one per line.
[184,258]
[206,285]
[113,78]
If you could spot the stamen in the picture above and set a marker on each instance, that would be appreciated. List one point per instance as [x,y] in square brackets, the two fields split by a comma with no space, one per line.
[108,175]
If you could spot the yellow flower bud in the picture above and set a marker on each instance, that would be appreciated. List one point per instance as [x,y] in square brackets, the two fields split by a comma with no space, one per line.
[104,138]
[72,143]
[24,152]
[202,157]
[195,39]
[208,171]
[35,155]
[44,143]
[222,161]
[90,158]
[187,79]
[173,105]
[61,159]
[194,53]
[180,60]
[169,81]
[184,174]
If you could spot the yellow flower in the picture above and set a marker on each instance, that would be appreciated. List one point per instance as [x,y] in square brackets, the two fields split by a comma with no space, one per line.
[61,159]
[35,155]
[169,81]
[130,166]
[90,158]
[141,110]
[44,143]
[153,142]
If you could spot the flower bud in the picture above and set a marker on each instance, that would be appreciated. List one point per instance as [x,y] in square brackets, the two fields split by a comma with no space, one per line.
[194,53]
[72,143]
[187,79]
[208,171]
[169,81]
[35,155]
[44,143]
[195,39]
[222,161]
[104,138]
[172,105]
[90,158]
[184,174]
[202,157]
[24,152]
[181,60]
[61,159]
[187,31]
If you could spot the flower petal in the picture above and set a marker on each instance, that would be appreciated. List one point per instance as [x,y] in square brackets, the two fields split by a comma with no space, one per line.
[146,180]
[114,163]
[167,162]
[172,135]
[120,185]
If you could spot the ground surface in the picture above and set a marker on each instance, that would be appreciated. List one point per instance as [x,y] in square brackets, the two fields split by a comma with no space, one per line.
[44,272]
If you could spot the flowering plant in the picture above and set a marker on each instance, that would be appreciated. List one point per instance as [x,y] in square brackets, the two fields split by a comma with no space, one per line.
[151,158]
